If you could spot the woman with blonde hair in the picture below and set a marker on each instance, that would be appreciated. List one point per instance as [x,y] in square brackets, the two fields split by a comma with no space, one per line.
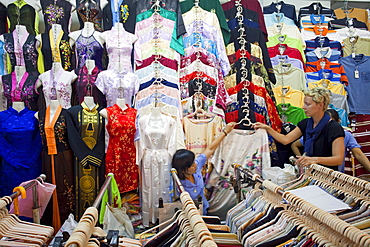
[323,138]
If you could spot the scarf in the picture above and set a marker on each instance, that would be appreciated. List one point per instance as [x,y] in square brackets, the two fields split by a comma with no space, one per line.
[312,133]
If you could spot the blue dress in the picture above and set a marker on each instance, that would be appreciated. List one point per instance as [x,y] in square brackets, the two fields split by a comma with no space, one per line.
[20,149]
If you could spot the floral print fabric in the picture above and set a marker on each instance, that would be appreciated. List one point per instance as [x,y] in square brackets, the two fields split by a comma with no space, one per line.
[121,154]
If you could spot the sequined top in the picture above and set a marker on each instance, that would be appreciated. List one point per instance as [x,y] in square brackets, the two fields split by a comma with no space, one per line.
[57,12]
[89,48]
[90,11]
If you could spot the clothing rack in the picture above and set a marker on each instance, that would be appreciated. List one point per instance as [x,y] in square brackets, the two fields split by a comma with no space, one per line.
[323,227]
[15,232]
[189,218]
[82,233]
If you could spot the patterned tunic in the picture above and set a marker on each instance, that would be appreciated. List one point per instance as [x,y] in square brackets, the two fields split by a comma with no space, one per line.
[121,154]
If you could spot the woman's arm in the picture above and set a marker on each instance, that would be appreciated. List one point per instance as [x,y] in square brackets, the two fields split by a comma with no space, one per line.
[284,139]
[216,142]
[295,147]
[335,160]
[361,157]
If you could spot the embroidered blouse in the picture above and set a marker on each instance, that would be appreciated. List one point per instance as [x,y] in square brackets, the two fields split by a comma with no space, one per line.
[89,48]
[57,12]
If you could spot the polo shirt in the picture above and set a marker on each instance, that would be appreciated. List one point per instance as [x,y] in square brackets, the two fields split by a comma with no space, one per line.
[343,115]
[359,14]
[286,94]
[342,23]
[253,5]
[283,49]
[322,42]
[312,33]
[315,8]
[325,52]
[285,39]
[234,23]
[282,28]
[339,101]
[337,88]
[288,10]
[312,20]
[292,113]
[286,59]
[346,32]
[356,45]
[358,87]
[211,6]
[334,67]
[287,75]
[322,74]
[271,19]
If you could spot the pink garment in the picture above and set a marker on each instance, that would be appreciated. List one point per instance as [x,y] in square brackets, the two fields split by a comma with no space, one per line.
[150,22]
[169,91]
[119,44]
[44,193]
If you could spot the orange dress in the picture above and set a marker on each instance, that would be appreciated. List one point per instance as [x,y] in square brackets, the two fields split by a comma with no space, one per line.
[121,154]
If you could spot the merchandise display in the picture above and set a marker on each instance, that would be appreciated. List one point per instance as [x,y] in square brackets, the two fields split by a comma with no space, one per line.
[99,95]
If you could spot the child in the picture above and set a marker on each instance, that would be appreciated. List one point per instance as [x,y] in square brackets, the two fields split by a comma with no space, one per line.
[189,168]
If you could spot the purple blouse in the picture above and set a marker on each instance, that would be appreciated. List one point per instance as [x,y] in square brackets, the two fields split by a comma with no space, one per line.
[89,48]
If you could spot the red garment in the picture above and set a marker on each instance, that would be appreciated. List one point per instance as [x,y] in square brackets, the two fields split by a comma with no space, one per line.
[185,79]
[170,63]
[208,59]
[231,116]
[261,91]
[291,52]
[251,5]
[121,154]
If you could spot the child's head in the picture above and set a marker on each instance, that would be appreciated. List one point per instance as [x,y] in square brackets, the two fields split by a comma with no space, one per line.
[333,114]
[182,160]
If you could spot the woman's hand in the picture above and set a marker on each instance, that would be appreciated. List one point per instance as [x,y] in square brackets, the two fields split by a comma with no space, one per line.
[304,161]
[229,127]
[259,125]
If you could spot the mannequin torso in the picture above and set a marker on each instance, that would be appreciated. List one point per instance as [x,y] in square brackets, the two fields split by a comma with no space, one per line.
[120,102]
[155,118]
[87,31]
[89,101]
[90,65]
[18,106]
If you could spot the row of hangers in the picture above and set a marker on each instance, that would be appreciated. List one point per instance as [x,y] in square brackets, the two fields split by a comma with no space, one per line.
[324,228]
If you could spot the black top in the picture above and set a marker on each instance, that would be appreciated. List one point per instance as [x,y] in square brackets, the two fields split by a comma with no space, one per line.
[25,16]
[287,9]
[56,12]
[3,15]
[128,14]
[341,23]
[323,144]
[315,8]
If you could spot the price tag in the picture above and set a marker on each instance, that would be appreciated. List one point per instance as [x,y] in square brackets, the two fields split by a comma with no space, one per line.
[357,74]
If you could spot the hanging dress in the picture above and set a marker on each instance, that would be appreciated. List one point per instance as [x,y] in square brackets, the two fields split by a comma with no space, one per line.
[20,149]
[24,91]
[23,53]
[21,13]
[57,154]
[59,52]
[86,137]
[90,11]
[89,48]
[157,146]
[57,12]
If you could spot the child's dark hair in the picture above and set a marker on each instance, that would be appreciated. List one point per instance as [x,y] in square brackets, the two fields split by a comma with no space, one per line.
[181,161]
[333,114]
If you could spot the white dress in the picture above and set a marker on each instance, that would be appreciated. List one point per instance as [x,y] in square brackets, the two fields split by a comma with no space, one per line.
[157,145]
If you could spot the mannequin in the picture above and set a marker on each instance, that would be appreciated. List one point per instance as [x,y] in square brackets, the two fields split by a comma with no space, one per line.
[89,101]
[155,118]
[20,29]
[121,102]
[19,72]
[90,65]
[18,106]
[87,31]
[35,4]
[54,104]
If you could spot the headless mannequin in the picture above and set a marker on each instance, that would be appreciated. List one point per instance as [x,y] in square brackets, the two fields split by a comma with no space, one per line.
[34,3]
[90,65]
[54,104]
[19,72]
[120,30]
[55,31]
[22,32]
[120,102]
[18,106]
[89,101]
[155,118]
[87,31]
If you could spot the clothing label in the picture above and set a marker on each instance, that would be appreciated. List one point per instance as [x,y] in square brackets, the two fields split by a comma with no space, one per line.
[357,74]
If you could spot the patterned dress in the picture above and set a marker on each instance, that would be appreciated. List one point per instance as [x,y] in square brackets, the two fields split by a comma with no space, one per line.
[90,11]
[121,154]
[57,12]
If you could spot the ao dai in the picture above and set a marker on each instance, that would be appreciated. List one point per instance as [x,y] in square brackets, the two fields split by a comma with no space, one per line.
[157,146]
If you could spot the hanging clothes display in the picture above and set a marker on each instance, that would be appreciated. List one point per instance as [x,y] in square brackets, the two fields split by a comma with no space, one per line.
[20,148]
[288,10]
[85,85]
[86,137]
[25,90]
[90,11]
[22,50]
[57,12]
[89,48]
[157,145]
[21,13]
[57,161]
[3,16]
[60,51]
